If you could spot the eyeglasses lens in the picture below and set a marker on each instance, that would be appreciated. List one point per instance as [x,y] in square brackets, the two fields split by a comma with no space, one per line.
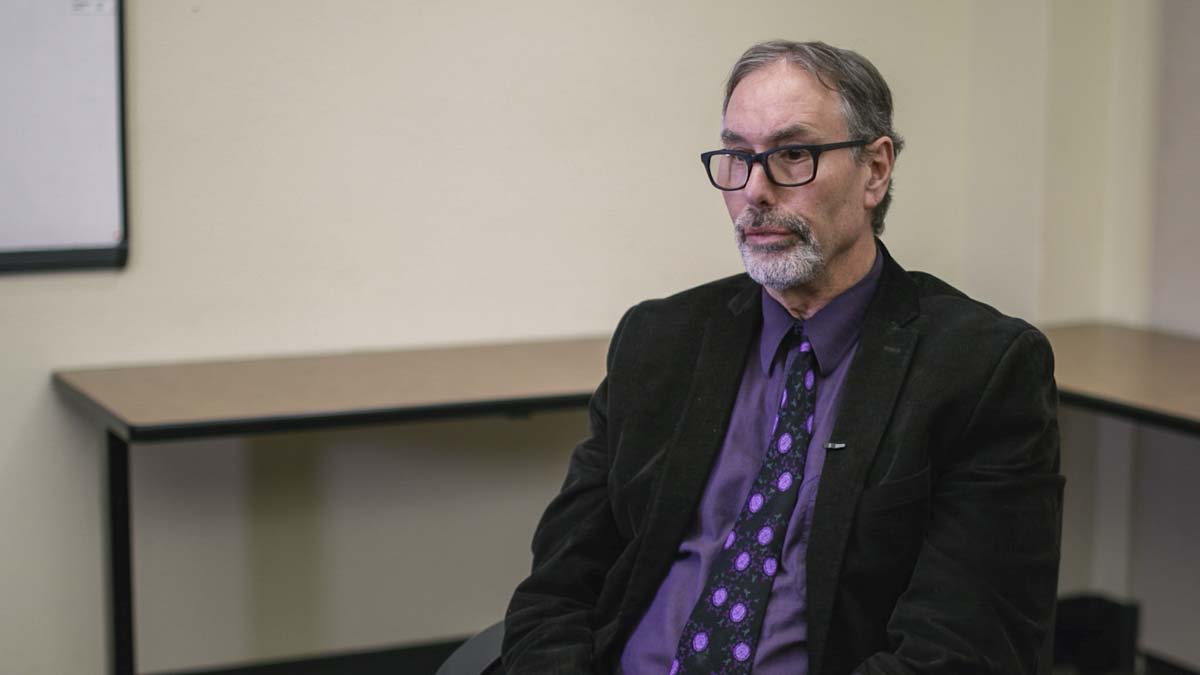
[791,166]
[729,171]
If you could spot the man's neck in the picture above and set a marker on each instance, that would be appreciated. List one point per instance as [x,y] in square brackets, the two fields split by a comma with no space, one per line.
[840,274]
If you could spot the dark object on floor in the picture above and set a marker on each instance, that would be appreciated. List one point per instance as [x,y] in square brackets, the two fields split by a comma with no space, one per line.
[1095,634]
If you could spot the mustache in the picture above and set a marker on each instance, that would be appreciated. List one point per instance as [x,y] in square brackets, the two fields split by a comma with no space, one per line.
[751,219]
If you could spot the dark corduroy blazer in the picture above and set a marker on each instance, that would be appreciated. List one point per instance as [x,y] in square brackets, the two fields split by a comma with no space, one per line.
[935,539]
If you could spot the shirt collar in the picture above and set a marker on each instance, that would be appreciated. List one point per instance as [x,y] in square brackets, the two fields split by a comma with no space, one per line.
[832,331]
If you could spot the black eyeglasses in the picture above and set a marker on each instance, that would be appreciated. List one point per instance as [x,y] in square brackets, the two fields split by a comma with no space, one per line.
[785,166]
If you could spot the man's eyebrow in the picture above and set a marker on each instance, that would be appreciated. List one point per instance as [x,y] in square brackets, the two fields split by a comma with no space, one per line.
[731,137]
[794,131]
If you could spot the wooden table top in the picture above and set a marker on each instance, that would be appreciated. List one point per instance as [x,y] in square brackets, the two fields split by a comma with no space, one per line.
[1149,375]
[189,400]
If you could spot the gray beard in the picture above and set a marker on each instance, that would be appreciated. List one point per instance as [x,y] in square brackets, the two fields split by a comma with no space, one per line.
[779,266]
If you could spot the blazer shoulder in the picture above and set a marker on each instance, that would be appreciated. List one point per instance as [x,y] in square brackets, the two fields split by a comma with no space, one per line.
[952,314]
[703,297]
[674,325]
[690,308]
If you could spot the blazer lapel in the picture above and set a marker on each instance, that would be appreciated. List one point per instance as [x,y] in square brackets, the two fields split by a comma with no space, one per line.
[880,365]
[691,451]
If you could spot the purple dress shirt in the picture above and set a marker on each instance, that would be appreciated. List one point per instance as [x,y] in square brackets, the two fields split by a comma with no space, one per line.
[782,646]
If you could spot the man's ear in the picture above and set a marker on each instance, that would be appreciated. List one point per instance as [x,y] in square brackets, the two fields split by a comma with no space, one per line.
[880,157]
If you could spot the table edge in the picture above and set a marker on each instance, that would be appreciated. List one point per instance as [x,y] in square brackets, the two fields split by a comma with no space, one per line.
[1129,411]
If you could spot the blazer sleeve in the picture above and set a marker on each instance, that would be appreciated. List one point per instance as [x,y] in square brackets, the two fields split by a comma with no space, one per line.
[981,597]
[548,623]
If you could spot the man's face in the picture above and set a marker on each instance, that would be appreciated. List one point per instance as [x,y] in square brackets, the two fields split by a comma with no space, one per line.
[792,236]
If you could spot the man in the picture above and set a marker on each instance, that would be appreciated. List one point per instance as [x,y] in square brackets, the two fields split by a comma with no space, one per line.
[828,465]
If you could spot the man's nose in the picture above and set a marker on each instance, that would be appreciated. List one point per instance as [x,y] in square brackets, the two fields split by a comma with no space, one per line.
[759,189]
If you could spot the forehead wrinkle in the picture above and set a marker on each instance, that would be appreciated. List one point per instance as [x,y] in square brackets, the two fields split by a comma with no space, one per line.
[797,130]
[803,131]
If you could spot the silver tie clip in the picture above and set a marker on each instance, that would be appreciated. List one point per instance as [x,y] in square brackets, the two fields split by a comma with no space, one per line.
[834,446]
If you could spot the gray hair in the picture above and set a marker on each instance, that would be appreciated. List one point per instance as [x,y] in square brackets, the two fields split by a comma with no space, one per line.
[865,97]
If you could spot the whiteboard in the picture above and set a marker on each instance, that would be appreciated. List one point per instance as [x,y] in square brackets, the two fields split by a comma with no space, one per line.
[62,182]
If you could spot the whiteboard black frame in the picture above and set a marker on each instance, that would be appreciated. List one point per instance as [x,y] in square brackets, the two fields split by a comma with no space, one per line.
[89,258]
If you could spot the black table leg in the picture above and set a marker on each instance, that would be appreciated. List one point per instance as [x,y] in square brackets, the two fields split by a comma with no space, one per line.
[120,556]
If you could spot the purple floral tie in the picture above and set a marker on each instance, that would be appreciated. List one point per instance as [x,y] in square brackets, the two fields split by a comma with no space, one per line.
[721,635]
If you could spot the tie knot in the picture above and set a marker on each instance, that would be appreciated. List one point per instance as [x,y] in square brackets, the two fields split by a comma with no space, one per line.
[796,336]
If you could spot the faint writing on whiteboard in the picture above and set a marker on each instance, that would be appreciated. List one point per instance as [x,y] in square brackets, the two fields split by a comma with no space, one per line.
[92,7]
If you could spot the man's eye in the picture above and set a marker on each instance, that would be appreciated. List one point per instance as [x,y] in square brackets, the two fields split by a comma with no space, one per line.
[795,155]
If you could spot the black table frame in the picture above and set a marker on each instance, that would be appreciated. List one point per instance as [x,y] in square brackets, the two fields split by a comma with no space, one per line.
[119,435]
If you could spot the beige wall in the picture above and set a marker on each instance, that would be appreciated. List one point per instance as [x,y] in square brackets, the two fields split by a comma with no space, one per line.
[1176,278]
[1166,549]
[315,176]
